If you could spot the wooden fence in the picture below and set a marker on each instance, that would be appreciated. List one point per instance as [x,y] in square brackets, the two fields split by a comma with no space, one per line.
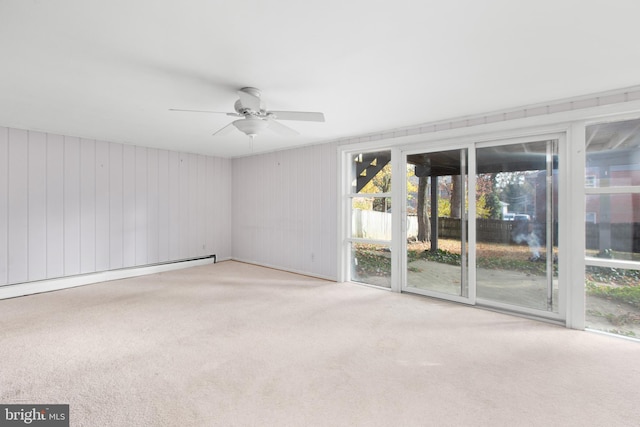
[377,225]
[496,230]
[487,230]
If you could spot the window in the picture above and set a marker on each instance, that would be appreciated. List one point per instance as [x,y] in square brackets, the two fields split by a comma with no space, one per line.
[370,227]
[613,227]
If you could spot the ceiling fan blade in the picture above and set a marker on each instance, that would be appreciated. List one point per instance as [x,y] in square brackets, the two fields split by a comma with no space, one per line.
[206,111]
[249,100]
[282,129]
[225,130]
[306,116]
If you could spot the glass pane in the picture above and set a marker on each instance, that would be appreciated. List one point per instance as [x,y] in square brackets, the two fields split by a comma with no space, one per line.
[516,225]
[371,264]
[613,154]
[613,226]
[371,172]
[436,222]
[371,218]
[613,300]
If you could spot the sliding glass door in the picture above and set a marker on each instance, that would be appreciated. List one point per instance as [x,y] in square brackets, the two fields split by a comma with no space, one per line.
[506,257]
[516,226]
[436,224]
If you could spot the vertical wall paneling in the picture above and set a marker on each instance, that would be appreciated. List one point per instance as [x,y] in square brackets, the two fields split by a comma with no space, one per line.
[253,188]
[202,188]
[285,202]
[141,205]
[333,178]
[287,250]
[194,242]
[116,206]
[236,207]
[279,206]
[329,206]
[306,189]
[55,206]
[175,210]
[256,233]
[261,217]
[246,216]
[18,235]
[129,205]
[255,181]
[239,206]
[87,206]
[183,204]
[316,209]
[328,194]
[103,209]
[71,206]
[276,219]
[320,208]
[249,221]
[223,200]
[294,206]
[308,193]
[266,217]
[153,234]
[37,202]
[311,192]
[279,195]
[163,206]
[211,223]
[274,185]
[300,187]
[4,204]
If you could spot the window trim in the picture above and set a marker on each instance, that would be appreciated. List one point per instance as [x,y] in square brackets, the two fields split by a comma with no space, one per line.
[571,123]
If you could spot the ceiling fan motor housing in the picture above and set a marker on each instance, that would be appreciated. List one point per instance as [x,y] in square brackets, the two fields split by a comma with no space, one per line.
[250,109]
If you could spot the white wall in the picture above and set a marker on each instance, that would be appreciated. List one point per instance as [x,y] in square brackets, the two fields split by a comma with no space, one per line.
[71,206]
[285,210]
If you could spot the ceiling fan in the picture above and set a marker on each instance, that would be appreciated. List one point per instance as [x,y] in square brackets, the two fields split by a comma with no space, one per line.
[255,117]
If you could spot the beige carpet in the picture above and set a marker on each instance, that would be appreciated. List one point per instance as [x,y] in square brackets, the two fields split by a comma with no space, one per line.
[234,344]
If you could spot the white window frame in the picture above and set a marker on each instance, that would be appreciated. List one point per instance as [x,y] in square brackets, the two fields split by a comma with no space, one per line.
[623,189]
[572,123]
[345,238]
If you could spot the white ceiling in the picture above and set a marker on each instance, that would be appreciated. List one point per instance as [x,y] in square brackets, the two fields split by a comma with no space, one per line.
[110,70]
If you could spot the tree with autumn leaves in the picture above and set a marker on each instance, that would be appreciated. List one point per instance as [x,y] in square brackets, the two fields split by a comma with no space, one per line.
[487,197]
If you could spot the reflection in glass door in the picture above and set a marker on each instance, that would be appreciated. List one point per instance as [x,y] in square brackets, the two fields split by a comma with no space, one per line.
[437,224]
[516,226]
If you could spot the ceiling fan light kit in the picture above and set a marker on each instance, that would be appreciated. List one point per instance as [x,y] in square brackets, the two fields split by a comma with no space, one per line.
[256,118]
[251,126]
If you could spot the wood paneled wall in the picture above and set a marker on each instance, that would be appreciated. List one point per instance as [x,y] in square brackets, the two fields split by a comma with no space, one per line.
[71,206]
[284,210]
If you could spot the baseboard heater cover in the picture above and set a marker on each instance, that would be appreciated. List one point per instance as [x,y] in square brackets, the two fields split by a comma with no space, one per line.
[48,285]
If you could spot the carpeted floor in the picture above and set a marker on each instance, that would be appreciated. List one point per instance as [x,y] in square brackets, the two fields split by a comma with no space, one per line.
[234,344]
